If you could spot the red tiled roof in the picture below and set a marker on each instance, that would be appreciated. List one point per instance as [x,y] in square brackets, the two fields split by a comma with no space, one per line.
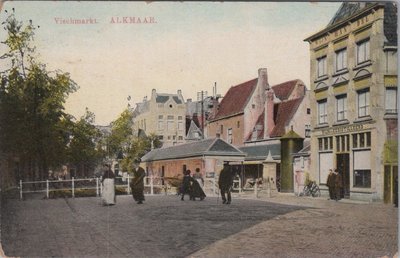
[236,99]
[286,110]
[283,90]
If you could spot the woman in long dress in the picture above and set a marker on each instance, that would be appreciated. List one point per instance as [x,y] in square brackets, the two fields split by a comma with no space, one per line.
[137,183]
[108,194]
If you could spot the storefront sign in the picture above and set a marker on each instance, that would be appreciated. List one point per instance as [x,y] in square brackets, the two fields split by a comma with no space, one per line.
[342,129]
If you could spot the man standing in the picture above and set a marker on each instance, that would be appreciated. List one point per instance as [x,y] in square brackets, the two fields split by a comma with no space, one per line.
[330,182]
[338,185]
[137,183]
[225,183]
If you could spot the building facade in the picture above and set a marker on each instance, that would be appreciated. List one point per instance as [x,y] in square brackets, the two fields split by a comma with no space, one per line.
[164,115]
[354,100]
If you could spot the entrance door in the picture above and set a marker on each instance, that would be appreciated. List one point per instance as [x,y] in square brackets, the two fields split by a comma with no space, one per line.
[343,166]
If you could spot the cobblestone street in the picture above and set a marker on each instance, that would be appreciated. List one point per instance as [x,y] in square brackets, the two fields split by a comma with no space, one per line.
[283,226]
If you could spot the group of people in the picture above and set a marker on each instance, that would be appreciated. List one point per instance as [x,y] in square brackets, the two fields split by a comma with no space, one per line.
[334,183]
[136,184]
[192,186]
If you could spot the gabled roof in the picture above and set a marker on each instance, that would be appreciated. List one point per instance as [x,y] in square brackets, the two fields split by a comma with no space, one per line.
[286,110]
[283,90]
[207,147]
[236,99]
[346,10]
[192,130]
[260,152]
[162,98]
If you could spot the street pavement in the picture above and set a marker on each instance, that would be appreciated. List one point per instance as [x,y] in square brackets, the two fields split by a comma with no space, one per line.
[282,226]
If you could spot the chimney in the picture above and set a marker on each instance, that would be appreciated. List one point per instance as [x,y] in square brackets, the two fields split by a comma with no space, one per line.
[263,78]
[269,122]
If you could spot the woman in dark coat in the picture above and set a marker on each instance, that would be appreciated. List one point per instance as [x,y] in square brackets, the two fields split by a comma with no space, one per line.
[197,191]
[186,187]
[137,183]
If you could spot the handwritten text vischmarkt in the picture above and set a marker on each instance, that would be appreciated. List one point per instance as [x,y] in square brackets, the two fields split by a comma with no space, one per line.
[75,21]
[132,20]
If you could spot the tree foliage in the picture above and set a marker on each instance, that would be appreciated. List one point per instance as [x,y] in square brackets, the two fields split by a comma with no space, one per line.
[32,116]
[126,146]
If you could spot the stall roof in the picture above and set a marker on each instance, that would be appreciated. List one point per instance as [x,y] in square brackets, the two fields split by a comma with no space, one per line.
[207,147]
[260,152]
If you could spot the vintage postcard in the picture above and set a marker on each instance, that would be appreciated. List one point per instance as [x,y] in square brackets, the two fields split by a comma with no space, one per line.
[198,129]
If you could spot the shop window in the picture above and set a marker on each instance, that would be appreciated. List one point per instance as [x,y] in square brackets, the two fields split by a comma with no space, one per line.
[363,103]
[391,100]
[322,112]
[341,59]
[342,143]
[341,107]
[363,51]
[321,66]
[362,178]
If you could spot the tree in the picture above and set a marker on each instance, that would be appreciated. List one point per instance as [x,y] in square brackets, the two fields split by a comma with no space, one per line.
[123,141]
[84,150]
[32,99]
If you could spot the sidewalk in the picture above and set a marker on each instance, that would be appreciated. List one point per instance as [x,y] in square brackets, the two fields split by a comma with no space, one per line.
[346,228]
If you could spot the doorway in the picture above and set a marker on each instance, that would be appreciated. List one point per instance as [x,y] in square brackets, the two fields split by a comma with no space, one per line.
[343,167]
[390,181]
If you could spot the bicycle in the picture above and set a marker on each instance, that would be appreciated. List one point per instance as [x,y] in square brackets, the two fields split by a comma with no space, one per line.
[311,189]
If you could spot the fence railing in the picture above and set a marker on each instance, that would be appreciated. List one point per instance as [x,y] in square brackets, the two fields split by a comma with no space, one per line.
[153,186]
[74,184]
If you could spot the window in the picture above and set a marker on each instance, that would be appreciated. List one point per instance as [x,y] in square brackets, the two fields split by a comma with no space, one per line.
[341,107]
[342,143]
[325,143]
[180,138]
[222,129]
[363,51]
[362,178]
[160,125]
[160,117]
[307,132]
[391,100]
[180,125]
[322,112]
[321,66]
[161,137]
[362,168]
[308,111]
[341,59]
[253,106]
[230,140]
[170,125]
[362,140]
[238,124]
[170,117]
[179,117]
[363,103]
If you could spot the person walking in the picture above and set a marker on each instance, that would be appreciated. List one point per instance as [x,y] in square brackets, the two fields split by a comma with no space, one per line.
[197,175]
[137,183]
[330,182]
[186,187]
[108,193]
[338,185]
[225,183]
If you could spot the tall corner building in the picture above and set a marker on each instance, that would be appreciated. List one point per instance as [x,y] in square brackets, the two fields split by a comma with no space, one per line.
[354,100]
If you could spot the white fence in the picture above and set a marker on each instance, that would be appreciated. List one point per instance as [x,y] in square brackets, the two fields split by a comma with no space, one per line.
[48,186]
[153,185]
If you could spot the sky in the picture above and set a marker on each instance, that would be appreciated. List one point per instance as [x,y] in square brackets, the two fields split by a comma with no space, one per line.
[188,46]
